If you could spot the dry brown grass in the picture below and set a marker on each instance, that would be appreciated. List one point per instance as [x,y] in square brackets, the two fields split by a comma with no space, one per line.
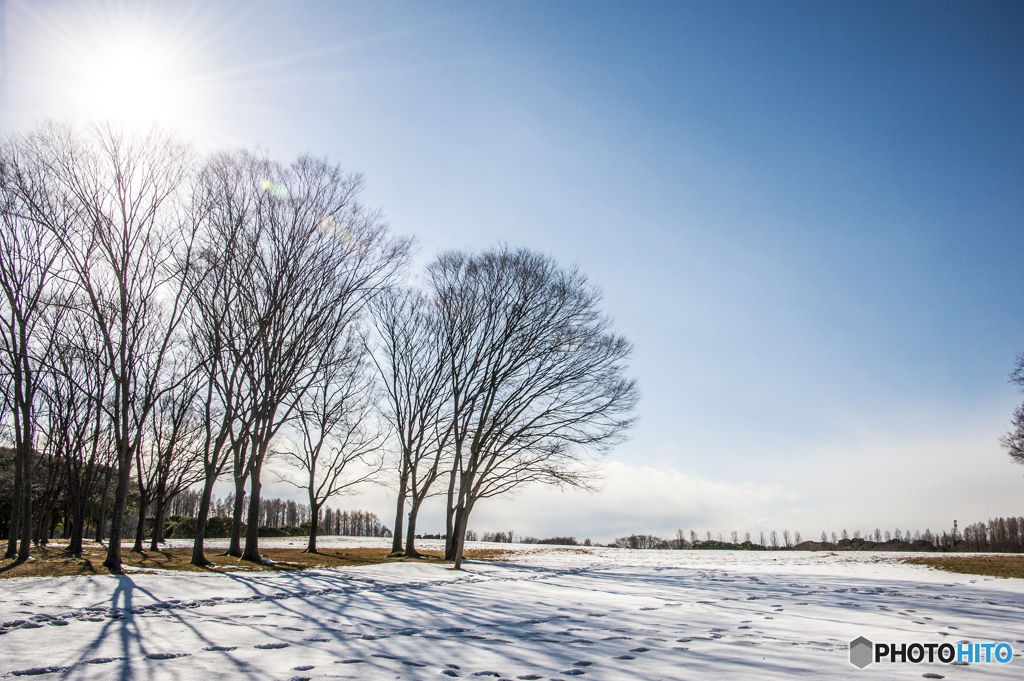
[1009,566]
[53,561]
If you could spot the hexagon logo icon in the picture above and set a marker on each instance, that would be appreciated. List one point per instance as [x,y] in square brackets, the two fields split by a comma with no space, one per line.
[861,652]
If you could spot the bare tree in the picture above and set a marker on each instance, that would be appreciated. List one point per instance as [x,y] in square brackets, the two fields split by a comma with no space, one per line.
[310,258]
[1013,441]
[536,376]
[413,370]
[119,205]
[175,446]
[338,429]
[28,265]
[75,386]
[218,338]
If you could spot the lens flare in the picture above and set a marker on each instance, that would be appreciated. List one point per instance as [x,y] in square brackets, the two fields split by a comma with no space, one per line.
[276,190]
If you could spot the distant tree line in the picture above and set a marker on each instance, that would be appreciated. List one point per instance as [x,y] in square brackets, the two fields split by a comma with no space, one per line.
[171,321]
[1005,535]
[1000,535]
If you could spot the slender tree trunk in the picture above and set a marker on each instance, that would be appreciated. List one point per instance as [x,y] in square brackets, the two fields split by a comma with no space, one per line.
[314,513]
[198,556]
[73,510]
[44,523]
[158,524]
[15,526]
[124,472]
[140,528]
[403,487]
[24,452]
[113,559]
[235,546]
[26,507]
[101,523]
[252,532]
[410,537]
[449,521]
[125,454]
[460,528]
[77,524]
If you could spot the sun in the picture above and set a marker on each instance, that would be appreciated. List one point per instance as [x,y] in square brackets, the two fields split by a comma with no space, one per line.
[137,63]
[132,78]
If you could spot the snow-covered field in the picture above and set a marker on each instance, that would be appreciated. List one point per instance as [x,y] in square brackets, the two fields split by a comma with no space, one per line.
[546,614]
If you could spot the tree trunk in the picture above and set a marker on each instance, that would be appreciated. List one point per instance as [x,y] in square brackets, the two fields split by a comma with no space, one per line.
[314,522]
[12,529]
[403,486]
[252,532]
[26,506]
[158,524]
[198,557]
[140,527]
[101,523]
[460,529]
[449,521]
[124,472]
[410,537]
[235,547]
[77,524]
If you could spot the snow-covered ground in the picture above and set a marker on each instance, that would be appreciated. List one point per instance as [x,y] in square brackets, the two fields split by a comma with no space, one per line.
[545,614]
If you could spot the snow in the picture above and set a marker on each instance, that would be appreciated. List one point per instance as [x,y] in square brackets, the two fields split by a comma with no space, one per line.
[546,613]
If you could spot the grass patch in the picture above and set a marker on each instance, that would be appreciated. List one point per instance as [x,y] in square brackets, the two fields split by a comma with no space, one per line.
[1009,566]
[53,561]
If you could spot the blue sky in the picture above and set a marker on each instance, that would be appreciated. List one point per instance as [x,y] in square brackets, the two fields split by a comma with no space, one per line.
[807,216]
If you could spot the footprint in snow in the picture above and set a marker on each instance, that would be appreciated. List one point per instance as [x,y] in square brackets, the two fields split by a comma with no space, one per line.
[220,649]
[301,678]
[639,650]
[449,672]
[36,671]
[931,675]
[573,672]
[302,668]
[271,646]
[410,663]
[625,657]
[386,657]
[317,640]
[352,661]
[167,656]
[530,677]
[582,664]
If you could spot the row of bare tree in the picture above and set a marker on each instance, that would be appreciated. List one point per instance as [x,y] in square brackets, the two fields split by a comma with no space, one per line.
[1000,535]
[171,320]
[172,307]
